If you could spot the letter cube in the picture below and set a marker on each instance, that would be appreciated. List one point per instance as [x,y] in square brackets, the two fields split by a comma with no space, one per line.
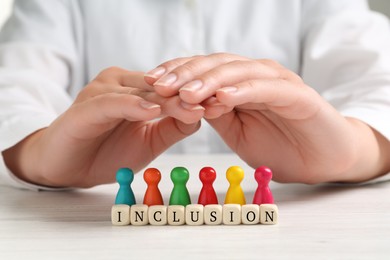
[250,214]
[194,214]
[120,215]
[213,214]
[268,214]
[231,214]
[176,215]
[139,215]
[158,215]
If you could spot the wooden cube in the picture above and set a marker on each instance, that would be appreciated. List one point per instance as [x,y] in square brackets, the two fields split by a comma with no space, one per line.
[158,215]
[213,214]
[176,215]
[269,214]
[250,214]
[120,215]
[194,215]
[139,215]
[231,214]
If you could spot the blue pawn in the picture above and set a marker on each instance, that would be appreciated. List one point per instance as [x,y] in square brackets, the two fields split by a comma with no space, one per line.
[125,195]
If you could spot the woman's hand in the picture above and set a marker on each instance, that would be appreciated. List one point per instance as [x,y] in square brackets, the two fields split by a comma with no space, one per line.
[113,123]
[267,115]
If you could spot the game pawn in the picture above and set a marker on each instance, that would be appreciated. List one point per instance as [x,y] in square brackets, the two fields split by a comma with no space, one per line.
[235,194]
[179,194]
[207,196]
[263,194]
[152,177]
[125,195]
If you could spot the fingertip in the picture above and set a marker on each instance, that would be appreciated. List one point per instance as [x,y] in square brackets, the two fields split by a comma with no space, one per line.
[227,95]
[188,97]
[166,85]
[192,107]
[231,90]
[211,102]
[213,107]
[150,79]
[149,105]
[155,73]
[164,91]
[190,113]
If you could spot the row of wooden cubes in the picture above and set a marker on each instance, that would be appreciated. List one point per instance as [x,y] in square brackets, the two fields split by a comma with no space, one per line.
[194,214]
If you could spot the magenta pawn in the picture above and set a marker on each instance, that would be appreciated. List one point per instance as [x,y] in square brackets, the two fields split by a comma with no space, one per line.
[263,194]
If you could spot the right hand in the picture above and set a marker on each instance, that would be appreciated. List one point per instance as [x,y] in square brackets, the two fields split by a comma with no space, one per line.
[107,127]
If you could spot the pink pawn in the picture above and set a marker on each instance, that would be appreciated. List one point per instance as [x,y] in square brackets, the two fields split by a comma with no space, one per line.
[263,194]
[207,194]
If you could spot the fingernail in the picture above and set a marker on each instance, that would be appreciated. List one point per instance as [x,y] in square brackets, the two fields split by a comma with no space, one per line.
[148,105]
[192,86]
[166,80]
[191,107]
[155,73]
[228,90]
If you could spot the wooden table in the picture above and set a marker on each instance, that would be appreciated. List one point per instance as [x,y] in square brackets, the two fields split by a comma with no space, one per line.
[315,222]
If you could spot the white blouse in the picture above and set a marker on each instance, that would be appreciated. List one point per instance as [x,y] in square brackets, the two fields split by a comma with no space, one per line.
[49,50]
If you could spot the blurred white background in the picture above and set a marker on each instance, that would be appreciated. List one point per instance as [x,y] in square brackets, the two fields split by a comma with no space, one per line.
[378,5]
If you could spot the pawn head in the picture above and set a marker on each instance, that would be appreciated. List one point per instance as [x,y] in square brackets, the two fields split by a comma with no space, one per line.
[235,174]
[152,176]
[180,175]
[124,175]
[207,175]
[263,174]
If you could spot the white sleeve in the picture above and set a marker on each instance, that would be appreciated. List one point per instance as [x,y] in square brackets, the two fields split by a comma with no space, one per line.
[347,59]
[40,59]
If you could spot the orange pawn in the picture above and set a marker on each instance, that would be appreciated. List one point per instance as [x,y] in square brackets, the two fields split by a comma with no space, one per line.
[152,177]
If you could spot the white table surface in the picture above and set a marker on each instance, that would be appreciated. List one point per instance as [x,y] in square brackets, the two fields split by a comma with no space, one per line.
[315,222]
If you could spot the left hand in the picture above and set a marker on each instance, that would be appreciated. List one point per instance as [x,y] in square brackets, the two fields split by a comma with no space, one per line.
[117,120]
[269,116]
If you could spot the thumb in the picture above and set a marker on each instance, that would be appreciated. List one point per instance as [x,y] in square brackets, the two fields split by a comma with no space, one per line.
[229,127]
[169,131]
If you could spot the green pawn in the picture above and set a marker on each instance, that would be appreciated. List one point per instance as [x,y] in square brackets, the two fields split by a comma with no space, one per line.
[180,195]
[125,195]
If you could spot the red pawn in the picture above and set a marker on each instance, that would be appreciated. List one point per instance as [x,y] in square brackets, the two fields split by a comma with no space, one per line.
[263,194]
[152,177]
[207,176]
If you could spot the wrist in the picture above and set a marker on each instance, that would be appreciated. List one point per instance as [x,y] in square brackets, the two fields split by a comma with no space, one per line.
[372,157]
[23,160]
